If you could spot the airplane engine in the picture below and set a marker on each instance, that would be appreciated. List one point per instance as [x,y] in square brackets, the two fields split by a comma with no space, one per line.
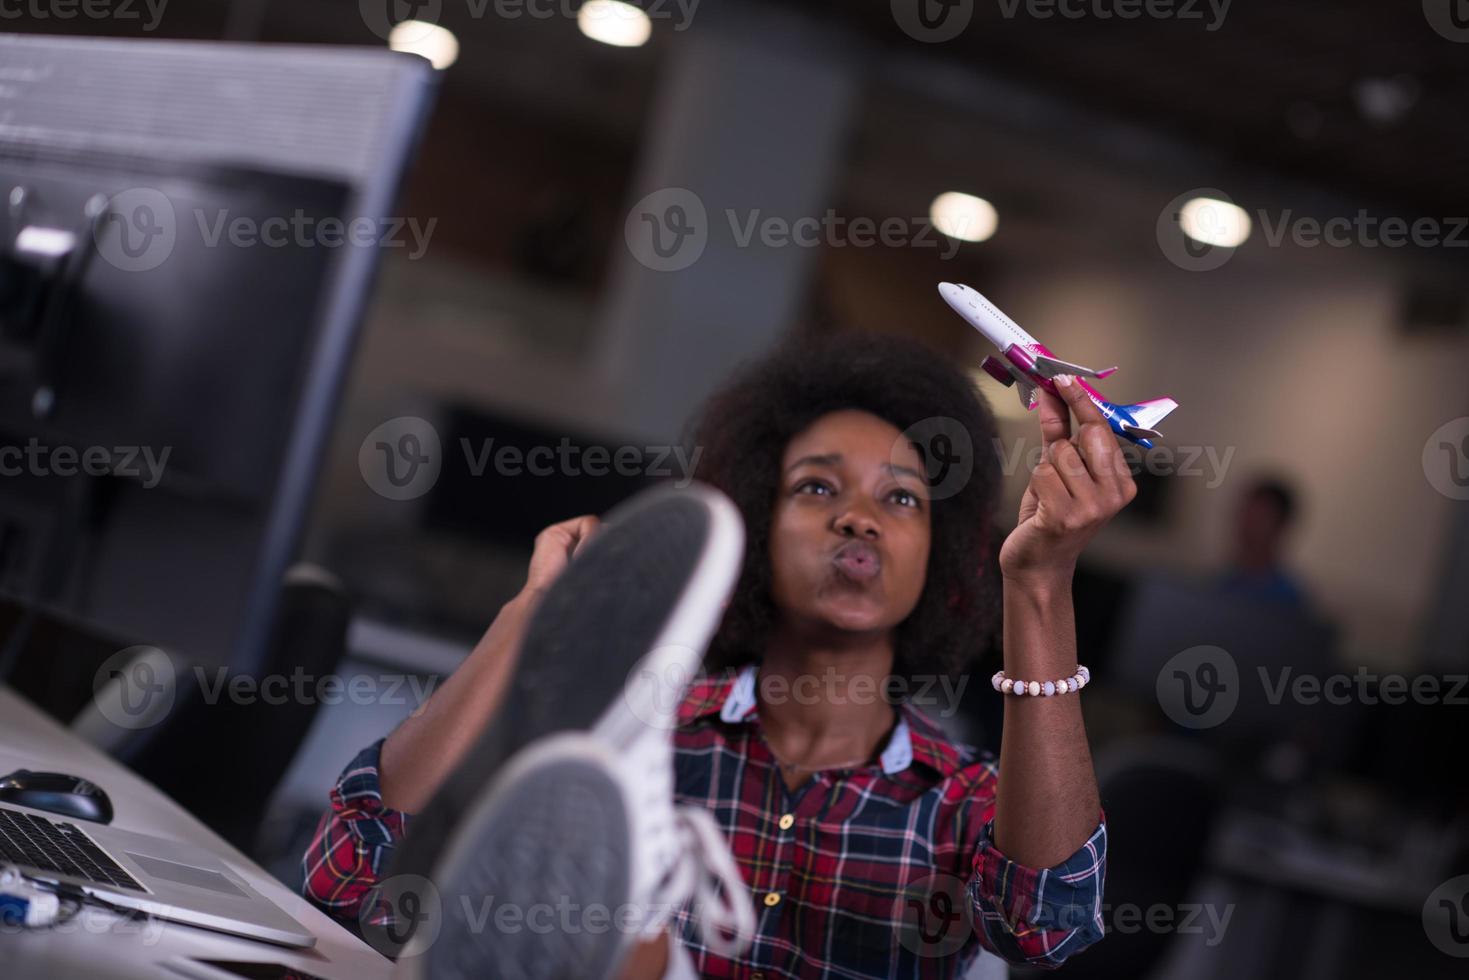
[997,370]
[1020,358]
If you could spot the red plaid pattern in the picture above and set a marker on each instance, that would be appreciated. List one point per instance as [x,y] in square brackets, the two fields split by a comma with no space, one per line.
[888,870]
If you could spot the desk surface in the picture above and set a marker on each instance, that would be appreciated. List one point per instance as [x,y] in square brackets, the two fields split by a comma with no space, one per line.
[99,944]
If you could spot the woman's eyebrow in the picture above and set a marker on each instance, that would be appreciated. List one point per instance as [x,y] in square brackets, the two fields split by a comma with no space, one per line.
[832,459]
[824,459]
[896,468]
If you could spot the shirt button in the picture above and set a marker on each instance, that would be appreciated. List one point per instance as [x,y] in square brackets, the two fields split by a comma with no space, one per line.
[772,899]
[787,821]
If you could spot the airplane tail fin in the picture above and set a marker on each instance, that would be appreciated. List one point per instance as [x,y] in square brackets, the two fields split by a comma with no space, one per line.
[1147,415]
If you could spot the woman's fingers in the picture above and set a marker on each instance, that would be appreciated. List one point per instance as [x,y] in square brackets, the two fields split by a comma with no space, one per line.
[1095,441]
[582,529]
[1104,458]
[1073,472]
[1079,401]
[1051,496]
[1054,417]
[555,547]
[1081,481]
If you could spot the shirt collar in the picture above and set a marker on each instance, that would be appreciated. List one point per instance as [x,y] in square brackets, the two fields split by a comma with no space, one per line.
[914,738]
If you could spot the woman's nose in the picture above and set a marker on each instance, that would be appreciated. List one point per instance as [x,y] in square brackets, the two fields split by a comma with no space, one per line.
[858,523]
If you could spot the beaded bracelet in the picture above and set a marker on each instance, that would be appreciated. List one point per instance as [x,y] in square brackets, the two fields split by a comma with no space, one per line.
[1067,685]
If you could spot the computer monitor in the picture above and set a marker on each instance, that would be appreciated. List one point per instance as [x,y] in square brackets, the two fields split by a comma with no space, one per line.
[188,235]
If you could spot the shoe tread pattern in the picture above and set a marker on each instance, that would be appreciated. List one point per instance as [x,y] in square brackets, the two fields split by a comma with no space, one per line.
[590,629]
[553,850]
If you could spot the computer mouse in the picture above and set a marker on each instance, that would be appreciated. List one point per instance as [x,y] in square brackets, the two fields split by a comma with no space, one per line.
[56,792]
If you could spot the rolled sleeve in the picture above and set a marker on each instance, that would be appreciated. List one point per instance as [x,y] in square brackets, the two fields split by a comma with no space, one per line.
[353,841]
[1039,916]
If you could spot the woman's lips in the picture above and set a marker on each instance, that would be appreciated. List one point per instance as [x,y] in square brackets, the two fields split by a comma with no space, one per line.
[858,561]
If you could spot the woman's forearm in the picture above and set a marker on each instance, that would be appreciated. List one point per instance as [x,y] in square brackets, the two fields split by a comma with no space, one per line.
[1046,803]
[425,748]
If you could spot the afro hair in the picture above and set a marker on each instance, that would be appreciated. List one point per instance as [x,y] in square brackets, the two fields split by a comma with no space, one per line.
[742,431]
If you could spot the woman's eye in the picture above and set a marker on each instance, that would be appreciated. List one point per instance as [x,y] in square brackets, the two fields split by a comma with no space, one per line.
[907,498]
[802,488]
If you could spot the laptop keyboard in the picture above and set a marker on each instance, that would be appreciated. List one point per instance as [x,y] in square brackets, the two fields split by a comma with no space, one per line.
[61,848]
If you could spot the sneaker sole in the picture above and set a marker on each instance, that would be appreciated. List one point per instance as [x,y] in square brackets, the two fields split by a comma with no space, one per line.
[655,577]
[547,855]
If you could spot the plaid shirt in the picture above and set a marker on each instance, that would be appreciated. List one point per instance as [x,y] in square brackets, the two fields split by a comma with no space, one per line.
[888,870]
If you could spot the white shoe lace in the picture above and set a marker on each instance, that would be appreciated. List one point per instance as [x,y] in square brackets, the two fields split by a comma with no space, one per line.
[705,873]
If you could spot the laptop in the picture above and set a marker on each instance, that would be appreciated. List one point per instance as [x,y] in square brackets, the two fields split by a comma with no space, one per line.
[164,878]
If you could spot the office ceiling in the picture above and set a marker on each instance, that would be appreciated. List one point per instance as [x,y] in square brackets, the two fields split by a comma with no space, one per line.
[1365,100]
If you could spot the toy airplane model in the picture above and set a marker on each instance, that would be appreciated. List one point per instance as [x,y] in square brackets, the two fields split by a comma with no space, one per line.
[1028,364]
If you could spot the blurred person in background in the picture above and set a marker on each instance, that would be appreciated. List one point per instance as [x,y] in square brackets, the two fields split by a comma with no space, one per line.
[1263,520]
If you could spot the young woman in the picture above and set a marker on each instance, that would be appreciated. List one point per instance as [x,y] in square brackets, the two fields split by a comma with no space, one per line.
[873,846]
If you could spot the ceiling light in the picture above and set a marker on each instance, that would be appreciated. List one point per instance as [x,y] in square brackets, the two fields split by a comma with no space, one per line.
[426,40]
[621,25]
[963,216]
[1214,222]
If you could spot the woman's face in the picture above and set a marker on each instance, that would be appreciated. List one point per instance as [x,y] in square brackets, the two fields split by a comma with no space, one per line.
[849,537]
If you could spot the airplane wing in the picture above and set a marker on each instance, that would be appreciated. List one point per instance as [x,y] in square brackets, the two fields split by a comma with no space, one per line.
[1049,367]
[1026,391]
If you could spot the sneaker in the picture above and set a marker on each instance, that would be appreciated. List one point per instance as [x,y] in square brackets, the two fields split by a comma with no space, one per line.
[555,846]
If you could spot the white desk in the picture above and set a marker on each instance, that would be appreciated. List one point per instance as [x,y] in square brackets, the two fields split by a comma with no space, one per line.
[99,944]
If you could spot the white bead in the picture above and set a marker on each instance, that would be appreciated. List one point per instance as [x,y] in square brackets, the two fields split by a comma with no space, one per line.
[1007,685]
[1035,688]
[1049,689]
[1070,686]
[995,680]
